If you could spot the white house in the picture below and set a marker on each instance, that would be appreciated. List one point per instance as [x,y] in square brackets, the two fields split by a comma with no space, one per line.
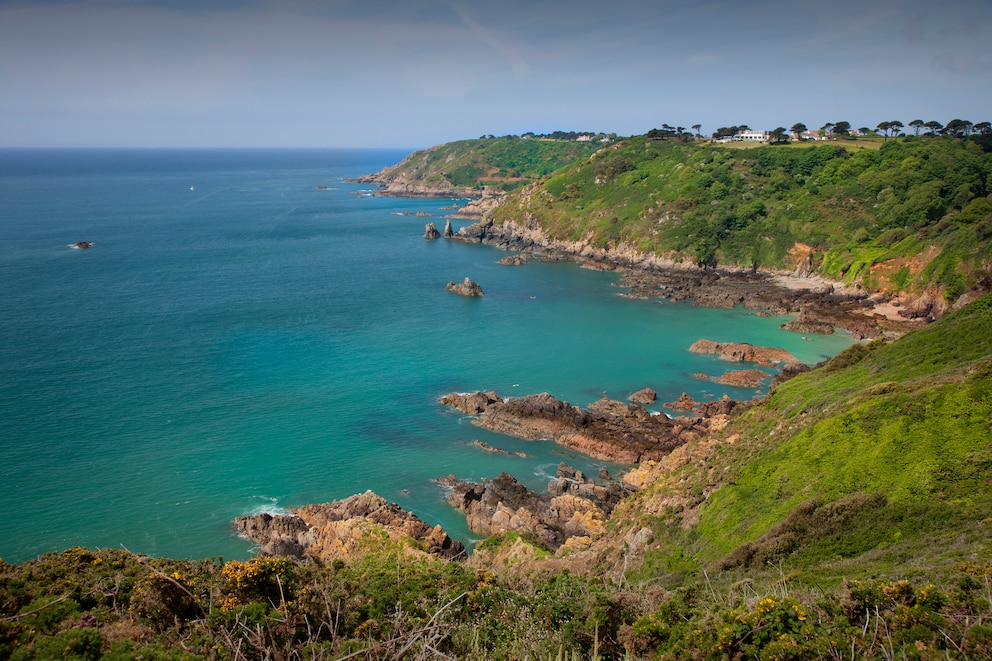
[754,136]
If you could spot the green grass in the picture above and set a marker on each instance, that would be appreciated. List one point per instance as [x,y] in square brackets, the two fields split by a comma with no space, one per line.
[717,204]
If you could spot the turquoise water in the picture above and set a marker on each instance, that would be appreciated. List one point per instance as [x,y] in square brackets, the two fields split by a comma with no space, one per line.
[254,344]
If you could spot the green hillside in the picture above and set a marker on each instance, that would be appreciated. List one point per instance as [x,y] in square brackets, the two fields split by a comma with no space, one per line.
[847,516]
[503,163]
[911,215]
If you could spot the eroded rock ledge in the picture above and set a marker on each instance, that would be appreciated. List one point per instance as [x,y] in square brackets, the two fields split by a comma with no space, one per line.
[608,430]
[573,511]
[342,529]
[742,352]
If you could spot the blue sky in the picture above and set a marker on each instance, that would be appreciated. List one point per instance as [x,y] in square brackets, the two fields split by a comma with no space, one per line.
[413,73]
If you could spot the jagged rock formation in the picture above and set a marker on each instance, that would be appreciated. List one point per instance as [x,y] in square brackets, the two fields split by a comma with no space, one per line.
[342,529]
[744,352]
[430,231]
[466,288]
[609,430]
[573,507]
[683,403]
[644,396]
[448,232]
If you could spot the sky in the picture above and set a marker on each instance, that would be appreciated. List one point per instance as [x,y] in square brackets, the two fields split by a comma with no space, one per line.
[414,73]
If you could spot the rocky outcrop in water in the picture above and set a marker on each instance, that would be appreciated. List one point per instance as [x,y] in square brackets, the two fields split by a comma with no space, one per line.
[644,396]
[342,528]
[430,232]
[609,430]
[744,352]
[573,507]
[741,378]
[448,232]
[466,288]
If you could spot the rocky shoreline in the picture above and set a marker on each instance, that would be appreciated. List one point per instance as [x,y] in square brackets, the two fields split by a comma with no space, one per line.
[575,509]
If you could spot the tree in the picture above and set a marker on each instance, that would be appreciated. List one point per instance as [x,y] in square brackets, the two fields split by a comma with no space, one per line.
[779,134]
[842,128]
[696,127]
[959,128]
[798,129]
[917,124]
[934,127]
[884,127]
[984,128]
[895,127]
[827,129]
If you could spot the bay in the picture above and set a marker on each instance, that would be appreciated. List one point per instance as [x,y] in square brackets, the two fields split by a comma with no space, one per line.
[238,340]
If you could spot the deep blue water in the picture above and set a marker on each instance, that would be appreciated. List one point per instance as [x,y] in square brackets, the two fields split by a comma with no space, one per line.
[256,344]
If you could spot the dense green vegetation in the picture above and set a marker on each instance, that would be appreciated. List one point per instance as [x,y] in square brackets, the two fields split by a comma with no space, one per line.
[502,163]
[844,517]
[912,215]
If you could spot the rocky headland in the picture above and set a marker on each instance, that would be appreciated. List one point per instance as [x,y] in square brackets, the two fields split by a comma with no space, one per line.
[608,430]
[343,529]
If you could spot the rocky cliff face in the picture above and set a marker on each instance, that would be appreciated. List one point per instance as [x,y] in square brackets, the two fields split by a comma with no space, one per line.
[342,529]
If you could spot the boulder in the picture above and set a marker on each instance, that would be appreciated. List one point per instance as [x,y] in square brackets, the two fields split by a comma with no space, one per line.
[430,231]
[448,232]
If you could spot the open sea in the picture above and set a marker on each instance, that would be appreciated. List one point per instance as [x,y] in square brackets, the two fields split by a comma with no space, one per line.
[238,341]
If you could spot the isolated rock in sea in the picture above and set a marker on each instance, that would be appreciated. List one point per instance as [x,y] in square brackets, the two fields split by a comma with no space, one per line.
[81,245]
[448,232]
[430,231]
[343,528]
[644,396]
[466,288]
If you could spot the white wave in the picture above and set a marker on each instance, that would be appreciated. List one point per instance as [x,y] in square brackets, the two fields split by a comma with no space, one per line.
[270,506]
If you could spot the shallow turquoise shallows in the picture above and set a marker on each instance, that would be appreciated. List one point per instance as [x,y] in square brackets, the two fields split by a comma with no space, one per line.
[238,340]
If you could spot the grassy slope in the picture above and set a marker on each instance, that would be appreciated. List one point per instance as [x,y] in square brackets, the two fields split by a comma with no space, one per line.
[880,462]
[870,215]
[504,163]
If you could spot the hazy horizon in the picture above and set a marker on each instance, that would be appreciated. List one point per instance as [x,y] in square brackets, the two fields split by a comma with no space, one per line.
[408,75]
